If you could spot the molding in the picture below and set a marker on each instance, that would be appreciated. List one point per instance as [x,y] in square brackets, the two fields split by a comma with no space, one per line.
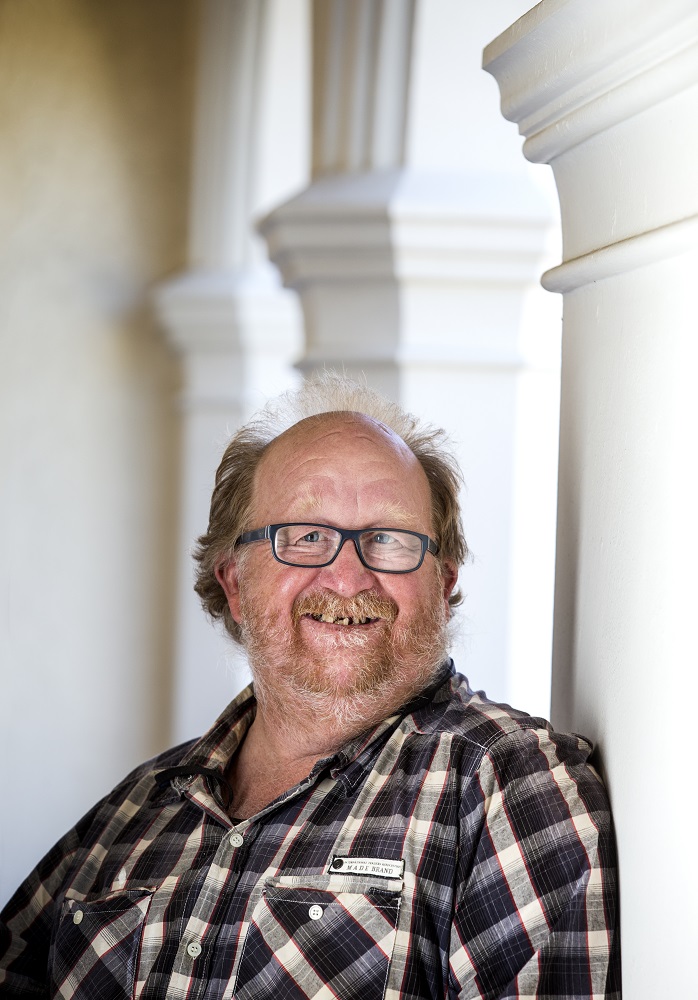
[672,240]
[398,269]
[400,225]
[214,311]
[234,332]
[569,69]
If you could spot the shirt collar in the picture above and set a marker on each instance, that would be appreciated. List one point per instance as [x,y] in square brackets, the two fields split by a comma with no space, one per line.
[213,751]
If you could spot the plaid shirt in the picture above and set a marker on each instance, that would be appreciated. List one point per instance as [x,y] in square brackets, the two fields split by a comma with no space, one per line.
[461,849]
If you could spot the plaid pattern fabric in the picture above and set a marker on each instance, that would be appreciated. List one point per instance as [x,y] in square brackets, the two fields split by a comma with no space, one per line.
[461,849]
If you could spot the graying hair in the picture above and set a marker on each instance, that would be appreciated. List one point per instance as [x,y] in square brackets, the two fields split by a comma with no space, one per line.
[232,499]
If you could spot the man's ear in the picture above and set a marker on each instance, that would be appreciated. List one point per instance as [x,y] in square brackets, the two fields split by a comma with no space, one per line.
[449,573]
[227,576]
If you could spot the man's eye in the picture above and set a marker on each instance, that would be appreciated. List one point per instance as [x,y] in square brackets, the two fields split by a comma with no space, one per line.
[310,536]
[383,538]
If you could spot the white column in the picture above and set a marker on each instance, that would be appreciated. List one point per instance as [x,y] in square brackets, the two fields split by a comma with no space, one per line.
[237,330]
[416,252]
[606,92]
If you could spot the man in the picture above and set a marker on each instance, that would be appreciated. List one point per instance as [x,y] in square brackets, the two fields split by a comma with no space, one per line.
[361,824]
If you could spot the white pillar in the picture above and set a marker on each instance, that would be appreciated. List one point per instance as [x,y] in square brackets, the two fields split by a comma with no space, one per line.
[237,331]
[416,252]
[606,92]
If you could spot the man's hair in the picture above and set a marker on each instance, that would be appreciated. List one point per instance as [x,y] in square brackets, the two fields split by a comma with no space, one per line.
[324,394]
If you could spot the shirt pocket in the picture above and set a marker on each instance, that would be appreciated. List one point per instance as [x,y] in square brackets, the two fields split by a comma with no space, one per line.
[308,934]
[96,945]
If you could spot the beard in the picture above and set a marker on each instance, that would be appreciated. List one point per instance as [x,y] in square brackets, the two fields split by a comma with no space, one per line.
[359,674]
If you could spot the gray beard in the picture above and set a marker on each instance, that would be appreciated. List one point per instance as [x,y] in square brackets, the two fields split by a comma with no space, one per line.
[299,692]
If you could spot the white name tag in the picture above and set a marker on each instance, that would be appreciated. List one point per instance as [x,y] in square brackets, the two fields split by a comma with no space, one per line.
[382,867]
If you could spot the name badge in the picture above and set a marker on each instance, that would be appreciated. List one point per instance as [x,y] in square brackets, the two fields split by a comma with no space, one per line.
[382,867]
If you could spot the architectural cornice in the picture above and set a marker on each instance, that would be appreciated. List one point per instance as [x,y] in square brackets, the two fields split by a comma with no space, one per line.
[405,225]
[562,84]
[222,311]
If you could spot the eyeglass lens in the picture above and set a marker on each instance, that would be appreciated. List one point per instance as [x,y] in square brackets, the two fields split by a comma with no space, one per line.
[313,545]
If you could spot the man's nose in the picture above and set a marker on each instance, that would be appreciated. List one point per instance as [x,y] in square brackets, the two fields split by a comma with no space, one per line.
[347,575]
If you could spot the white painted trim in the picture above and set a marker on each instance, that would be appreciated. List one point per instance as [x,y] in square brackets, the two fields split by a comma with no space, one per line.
[627,255]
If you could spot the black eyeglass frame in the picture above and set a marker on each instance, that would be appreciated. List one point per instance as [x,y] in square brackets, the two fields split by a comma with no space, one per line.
[345,534]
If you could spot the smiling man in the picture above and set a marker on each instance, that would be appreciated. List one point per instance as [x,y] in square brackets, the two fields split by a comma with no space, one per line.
[358,823]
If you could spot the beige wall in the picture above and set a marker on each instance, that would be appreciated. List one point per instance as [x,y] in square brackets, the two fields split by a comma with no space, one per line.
[94,126]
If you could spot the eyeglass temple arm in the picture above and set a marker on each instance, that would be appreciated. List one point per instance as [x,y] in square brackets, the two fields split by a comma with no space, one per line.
[258,535]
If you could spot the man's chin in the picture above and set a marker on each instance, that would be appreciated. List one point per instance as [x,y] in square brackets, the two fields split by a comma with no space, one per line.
[345,676]
[339,674]
[354,686]
[342,693]
[337,659]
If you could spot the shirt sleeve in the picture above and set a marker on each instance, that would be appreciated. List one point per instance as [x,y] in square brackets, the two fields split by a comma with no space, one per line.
[26,924]
[27,921]
[536,903]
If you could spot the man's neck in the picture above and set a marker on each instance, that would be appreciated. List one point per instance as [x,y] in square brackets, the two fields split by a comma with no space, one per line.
[290,734]
[269,763]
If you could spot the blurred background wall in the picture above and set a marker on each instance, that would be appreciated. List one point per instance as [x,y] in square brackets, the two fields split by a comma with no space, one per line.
[95,126]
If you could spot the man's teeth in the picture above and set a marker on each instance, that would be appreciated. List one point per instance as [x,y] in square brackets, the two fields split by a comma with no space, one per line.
[341,621]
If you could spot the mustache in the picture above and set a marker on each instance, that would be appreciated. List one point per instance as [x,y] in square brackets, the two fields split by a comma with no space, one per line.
[363,605]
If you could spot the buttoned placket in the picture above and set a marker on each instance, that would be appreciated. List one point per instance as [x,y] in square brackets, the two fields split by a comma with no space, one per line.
[232,844]
[235,842]
[346,768]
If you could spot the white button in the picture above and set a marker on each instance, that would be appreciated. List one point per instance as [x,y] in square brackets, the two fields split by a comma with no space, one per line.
[193,949]
[236,840]
[315,912]
[77,917]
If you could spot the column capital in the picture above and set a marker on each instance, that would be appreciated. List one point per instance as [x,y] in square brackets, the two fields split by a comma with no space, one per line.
[393,267]
[602,92]
[569,69]
[408,225]
[204,311]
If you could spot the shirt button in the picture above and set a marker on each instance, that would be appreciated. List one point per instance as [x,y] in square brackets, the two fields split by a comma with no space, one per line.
[77,917]
[315,912]
[236,840]
[193,949]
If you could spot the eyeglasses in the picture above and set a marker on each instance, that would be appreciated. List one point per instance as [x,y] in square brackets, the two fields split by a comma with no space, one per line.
[384,550]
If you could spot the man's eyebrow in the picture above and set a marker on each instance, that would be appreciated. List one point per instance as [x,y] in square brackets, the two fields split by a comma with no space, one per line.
[394,515]
[306,503]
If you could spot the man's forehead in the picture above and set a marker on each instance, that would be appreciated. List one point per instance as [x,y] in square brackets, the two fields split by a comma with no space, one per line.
[326,432]
[309,503]
[297,461]
[350,422]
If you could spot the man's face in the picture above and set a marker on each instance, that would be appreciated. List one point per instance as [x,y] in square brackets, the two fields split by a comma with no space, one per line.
[347,471]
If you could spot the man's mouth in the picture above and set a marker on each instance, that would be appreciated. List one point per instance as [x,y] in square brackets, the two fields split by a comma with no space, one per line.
[365,608]
[332,620]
